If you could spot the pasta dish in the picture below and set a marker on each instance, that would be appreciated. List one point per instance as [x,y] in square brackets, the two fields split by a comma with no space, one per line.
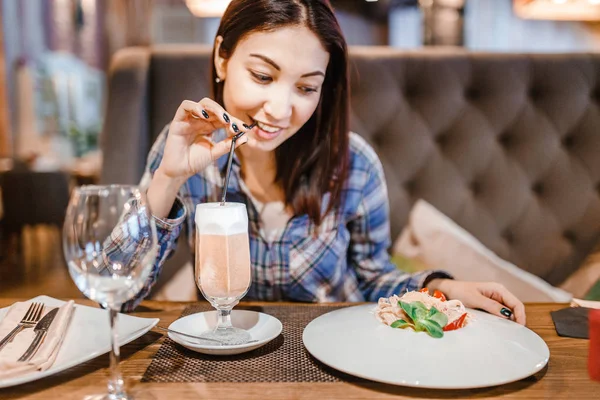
[422,312]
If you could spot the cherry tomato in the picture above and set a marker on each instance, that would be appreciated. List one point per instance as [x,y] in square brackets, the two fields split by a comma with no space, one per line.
[439,295]
[457,323]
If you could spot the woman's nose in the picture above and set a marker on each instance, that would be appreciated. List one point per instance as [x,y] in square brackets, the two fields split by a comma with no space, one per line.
[279,105]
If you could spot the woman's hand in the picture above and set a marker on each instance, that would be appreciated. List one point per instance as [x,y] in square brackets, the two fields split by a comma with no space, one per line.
[189,148]
[489,296]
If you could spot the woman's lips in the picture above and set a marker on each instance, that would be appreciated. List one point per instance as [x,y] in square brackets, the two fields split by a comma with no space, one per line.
[265,135]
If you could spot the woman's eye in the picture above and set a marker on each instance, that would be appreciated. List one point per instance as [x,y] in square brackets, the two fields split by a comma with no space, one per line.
[261,78]
[307,89]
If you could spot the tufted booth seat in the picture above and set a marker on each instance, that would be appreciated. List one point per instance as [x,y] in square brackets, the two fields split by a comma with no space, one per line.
[507,145]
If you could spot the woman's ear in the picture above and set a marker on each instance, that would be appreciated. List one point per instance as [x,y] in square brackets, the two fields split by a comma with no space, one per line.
[220,62]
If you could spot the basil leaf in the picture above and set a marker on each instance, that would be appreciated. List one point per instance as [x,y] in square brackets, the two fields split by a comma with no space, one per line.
[437,316]
[433,328]
[420,310]
[419,327]
[400,324]
[407,307]
[432,321]
[415,310]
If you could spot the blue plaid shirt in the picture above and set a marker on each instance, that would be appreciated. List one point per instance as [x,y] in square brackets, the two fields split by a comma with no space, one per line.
[344,259]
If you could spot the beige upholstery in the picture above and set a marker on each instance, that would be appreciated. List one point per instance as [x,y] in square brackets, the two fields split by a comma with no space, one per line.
[507,145]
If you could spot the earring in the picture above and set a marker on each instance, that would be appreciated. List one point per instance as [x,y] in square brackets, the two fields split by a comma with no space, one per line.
[218,80]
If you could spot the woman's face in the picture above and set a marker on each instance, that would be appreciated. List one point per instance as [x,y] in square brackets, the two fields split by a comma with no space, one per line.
[274,79]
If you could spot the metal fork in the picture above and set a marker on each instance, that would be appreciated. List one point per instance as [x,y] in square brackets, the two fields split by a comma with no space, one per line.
[31,317]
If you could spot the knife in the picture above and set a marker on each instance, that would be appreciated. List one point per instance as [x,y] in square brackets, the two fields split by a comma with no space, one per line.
[40,332]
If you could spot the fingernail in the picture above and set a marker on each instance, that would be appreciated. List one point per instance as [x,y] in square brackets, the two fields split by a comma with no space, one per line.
[235,128]
[506,312]
[225,117]
[205,114]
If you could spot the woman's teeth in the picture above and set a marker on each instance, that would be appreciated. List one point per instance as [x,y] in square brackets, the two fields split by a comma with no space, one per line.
[267,128]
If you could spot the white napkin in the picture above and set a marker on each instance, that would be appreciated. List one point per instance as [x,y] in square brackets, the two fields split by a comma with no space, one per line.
[585,303]
[46,354]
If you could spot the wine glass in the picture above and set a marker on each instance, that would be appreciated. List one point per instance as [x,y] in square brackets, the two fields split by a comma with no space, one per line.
[110,246]
[223,264]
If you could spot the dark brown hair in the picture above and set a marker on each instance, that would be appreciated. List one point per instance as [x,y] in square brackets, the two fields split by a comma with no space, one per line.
[314,161]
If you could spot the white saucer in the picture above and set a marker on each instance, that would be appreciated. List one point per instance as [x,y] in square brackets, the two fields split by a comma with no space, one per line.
[261,327]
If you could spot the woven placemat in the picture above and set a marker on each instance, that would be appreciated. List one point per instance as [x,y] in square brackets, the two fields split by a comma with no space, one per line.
[284,359]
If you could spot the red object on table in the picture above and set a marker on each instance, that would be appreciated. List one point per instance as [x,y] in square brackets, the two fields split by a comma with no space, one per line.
[594,355]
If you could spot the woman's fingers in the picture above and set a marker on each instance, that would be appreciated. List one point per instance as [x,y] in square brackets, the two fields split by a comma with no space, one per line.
[207,111]
[489,296]
[215,111]
[504,296]
[191,110]
[494,307]
[498,300]
[233,125]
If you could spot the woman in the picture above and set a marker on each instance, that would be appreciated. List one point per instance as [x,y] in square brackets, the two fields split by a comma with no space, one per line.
[315,193]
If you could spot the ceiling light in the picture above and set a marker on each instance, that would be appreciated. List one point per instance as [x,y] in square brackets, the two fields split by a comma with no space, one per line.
[207,8]
[562,10]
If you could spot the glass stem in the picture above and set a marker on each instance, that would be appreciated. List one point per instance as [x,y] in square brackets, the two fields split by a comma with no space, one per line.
[115,381]
[224,318]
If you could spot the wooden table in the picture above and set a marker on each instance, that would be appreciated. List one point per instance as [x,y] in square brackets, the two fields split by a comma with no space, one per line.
[565,377]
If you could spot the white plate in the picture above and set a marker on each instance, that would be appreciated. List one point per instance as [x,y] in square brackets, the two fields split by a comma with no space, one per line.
[261,327]
[88,336]
[489,351]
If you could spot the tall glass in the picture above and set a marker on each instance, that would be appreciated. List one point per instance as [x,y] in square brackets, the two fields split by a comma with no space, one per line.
[110,245]
[223,264]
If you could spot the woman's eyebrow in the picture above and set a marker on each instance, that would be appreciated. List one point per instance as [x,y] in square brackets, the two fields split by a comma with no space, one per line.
[278,68]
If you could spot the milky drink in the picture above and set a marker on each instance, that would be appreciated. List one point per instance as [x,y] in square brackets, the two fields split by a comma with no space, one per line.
[222,252]
[222,265]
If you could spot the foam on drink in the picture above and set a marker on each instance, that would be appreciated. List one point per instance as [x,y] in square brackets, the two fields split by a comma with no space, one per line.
[222,250]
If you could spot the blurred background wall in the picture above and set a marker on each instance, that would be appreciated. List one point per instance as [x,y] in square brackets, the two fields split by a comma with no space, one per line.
[57,52]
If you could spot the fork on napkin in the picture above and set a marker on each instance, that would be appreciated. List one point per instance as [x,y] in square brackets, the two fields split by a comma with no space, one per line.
[47,352]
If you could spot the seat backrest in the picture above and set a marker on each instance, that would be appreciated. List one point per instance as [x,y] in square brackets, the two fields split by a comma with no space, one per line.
[504,144]
[146,85]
